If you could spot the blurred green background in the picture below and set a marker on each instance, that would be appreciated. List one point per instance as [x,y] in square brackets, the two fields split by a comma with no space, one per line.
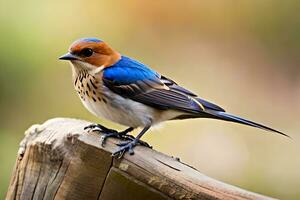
[243,55]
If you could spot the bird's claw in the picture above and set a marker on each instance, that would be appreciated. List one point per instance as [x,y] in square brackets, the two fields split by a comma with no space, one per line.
[138,142]
[128,146]
[125,146]
[109,133]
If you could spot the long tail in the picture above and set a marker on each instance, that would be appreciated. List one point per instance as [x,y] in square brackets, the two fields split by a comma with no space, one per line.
[228,117]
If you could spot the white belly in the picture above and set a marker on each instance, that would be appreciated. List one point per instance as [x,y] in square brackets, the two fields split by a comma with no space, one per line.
[127,112]
[121,110]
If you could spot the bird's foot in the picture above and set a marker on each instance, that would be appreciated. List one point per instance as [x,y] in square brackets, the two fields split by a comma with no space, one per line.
[109,133]
[128,146]
[138,142]
[125,146]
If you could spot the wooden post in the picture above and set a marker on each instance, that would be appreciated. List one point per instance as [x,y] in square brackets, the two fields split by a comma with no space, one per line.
[59,160]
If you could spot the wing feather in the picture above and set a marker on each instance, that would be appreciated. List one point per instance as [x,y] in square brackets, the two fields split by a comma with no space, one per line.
[156,94]
[133,80]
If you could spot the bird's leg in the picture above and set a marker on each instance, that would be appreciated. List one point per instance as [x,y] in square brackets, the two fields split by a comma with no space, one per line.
[129,145]
[107,132]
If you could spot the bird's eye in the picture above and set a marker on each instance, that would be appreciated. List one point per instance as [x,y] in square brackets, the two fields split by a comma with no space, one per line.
[86,52]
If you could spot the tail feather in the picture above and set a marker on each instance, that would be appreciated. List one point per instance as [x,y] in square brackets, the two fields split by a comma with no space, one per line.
[232,118]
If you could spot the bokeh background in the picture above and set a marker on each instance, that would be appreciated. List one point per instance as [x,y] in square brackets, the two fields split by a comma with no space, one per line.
[243,55]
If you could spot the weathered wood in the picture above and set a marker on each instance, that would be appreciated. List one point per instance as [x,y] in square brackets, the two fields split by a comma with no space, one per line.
[59,160]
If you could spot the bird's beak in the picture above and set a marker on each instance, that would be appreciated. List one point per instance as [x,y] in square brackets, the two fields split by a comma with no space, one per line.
[69,56]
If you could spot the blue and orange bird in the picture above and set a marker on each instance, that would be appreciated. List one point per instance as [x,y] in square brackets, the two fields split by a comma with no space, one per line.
[128,92]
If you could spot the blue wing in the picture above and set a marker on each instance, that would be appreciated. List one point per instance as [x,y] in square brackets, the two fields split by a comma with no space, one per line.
[134,80]
[128,71]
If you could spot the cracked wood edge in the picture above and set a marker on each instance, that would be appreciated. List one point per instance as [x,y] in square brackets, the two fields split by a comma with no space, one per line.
[59,160]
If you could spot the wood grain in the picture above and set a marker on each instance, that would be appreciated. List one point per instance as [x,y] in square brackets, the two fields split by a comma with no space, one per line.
[59,160]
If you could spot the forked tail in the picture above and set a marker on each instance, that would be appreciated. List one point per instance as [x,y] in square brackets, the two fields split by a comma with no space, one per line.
[228,117]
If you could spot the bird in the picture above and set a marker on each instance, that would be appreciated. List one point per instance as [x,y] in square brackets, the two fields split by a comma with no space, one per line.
[128,92]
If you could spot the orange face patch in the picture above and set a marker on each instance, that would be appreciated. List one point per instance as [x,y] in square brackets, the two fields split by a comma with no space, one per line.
[102,54]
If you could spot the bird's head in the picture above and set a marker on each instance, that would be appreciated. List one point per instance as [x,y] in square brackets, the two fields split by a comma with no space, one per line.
[91,54]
